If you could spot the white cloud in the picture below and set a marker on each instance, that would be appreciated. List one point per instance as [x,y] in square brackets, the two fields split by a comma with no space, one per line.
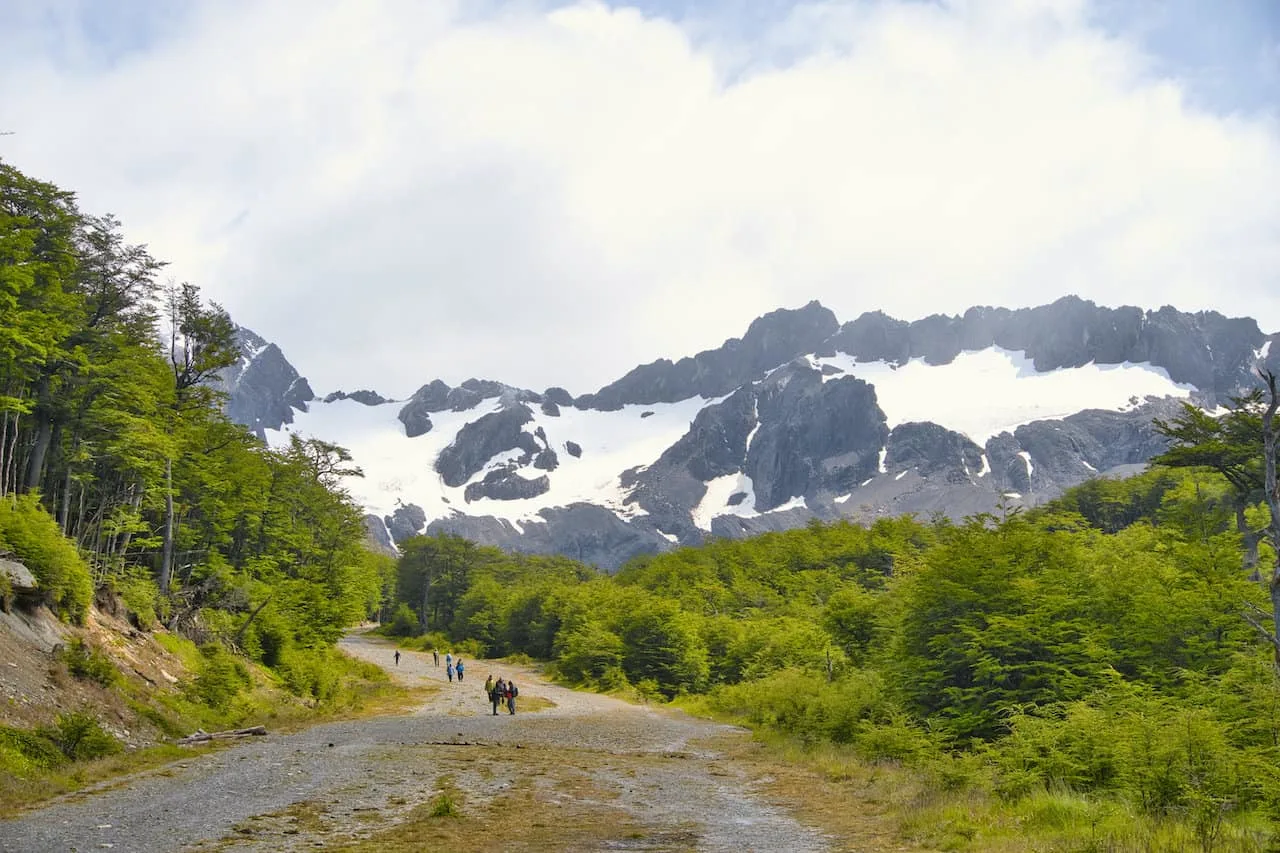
[395,191]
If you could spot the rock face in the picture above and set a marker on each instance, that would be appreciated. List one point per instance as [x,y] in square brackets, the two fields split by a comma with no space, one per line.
[814,436]
[378,537]
[771,340]
[368,398]
[481,440]
[771,430]
[582,531]
[406,521]
[1212,352]
[23,587]
[263,389]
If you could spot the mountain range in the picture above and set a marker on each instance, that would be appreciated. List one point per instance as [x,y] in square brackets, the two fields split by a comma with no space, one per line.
[802,417]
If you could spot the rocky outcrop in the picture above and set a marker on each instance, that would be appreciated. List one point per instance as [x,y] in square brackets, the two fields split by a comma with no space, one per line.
[483,439]
[1204,349]
[21,586]
[582,531]
[771,340]
[407,520]
[930,449]
[263,389]
[813,436]
[504,484]
[368,398]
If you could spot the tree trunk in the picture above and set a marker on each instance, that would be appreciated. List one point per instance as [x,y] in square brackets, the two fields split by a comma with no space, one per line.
[1273,501]
[1249,539]
[166,558]
[239,638]
[39,449]
[426,598]
[8,482]
[4,438]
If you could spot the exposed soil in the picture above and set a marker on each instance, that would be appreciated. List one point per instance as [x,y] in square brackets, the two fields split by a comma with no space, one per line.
[569,771]
[35,685]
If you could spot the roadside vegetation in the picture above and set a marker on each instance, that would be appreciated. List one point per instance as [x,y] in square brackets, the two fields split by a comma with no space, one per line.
[1079,677]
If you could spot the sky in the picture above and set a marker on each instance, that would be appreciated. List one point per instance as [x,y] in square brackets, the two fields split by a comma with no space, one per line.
[550,193]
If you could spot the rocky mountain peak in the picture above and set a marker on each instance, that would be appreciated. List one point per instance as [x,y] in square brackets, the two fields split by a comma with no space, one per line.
[771,340]
[800,418]
[263,389]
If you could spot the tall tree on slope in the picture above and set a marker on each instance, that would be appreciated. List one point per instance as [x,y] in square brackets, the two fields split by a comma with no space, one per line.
[1271,492]
[202,341]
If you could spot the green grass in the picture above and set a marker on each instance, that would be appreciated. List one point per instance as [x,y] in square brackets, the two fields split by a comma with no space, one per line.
[34,769]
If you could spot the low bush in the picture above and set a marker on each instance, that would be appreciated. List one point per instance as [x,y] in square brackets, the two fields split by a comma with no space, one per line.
[62,574]
[22,751]
[6,593]
[87,663]
[221,677]
[80,737]
[141,595]
[404,623]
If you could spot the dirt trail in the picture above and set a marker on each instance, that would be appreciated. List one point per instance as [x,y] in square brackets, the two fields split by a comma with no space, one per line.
[644,768]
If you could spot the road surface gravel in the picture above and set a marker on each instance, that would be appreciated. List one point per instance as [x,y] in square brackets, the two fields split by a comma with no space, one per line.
[661,767]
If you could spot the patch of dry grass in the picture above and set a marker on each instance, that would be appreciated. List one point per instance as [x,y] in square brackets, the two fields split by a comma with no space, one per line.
[525,818]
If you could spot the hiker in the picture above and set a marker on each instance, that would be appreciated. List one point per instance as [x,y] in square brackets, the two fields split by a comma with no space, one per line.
[488,685]
[511,693]
[448,670]
[397,657]
[496,693]
[448,658]
[435,655]
[458,667]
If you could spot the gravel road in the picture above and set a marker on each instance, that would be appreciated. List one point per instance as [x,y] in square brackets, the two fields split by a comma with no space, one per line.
[654,764]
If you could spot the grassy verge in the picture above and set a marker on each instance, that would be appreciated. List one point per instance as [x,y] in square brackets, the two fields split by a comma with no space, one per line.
[38,765]
[930,809]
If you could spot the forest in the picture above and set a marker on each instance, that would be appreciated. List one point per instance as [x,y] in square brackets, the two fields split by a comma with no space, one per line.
[120,473]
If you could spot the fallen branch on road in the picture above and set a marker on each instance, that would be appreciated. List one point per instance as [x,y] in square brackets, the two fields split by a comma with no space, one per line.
[203,737]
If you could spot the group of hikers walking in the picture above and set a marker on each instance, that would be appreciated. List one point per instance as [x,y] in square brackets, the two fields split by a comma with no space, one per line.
[502,692]
[451,667]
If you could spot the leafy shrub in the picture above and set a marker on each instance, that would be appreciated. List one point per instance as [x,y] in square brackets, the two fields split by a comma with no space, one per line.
[80,738]
[220,679]
[38,542]
[140,594]
[586,653]
[268,638]
[22,750]
[404,622]
[85,662]
[6,593]
[306,673]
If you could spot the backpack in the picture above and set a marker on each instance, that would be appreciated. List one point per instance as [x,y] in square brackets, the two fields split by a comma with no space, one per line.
[515,691]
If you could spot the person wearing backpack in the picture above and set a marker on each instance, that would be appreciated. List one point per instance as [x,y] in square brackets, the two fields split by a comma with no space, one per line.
[458,668]
[496,694]
[512,693]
